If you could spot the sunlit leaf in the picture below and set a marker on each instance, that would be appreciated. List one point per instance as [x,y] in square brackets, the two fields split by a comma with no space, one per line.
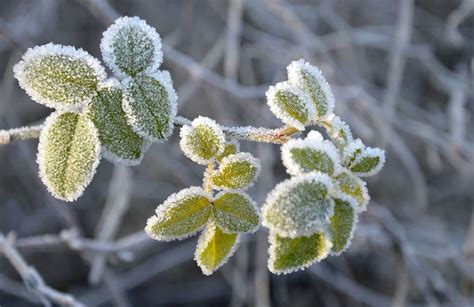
[236,172]
[348,183]
[369,162]
[230,148]
[236,212]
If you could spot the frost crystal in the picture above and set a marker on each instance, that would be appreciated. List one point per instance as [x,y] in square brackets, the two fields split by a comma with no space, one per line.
[339,132]
[352,151]
[343,223]
[348,183]
[299,206]
[303,156]
[68,154]
[202,141]
[369,162]
[290,104]
[236,172]
[57,76]
[150,105]
[310,79]
[236,212]
[130,46]
[180,216]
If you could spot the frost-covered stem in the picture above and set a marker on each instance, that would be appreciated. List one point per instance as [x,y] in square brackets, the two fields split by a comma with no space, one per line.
[24,133]
[207,175]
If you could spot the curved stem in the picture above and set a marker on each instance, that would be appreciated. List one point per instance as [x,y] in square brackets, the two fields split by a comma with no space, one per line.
[24,133]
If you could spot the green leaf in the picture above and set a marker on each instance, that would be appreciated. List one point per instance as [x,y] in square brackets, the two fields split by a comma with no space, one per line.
[343,223]
[230,148]
[214,248]
[304,156]
[290,104]
[130,47]
[236,212]
[347,183]
[150,105]
[202,141]
[68,154]
[120,144]
[180,216]
[352,152]
[369,162]
[339,132]
[236,172]
[310,79]
[57,76]
[299,206]
[288,255]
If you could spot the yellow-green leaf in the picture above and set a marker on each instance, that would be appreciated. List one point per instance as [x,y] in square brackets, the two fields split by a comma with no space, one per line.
[343,223]
[346,182]
[236,212]
[236,172]
[230,148]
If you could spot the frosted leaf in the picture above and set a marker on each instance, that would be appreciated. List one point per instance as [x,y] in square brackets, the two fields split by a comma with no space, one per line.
[202,141]
[289,255]
[150,105]
[236,212]
[339,131]
[214,248]
[369,162]
[290,104]
[59,76]
[180,216]
[310,79]
[352,151]
[348,183]
[68,154]
[130,46]
[120,144]
[307,155]
[236,172]
[343,223]
[230,148]
[299,206]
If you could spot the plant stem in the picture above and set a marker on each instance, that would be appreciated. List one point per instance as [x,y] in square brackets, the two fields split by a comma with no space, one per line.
[24,133]
[207,177]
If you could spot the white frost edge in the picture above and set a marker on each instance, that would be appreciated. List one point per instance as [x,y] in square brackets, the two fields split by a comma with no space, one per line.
[106,44]
[294,78]
[325,146]
[314,135]
[53,49]
[170,202]
[281,113]
[354,204]
[350,149]
[164,78]
[283,187]
[272,256]
[50,120]
[250,200]
[238,157]
[370,152]
[187,130]
[337,125]
[365,192]
[202,243]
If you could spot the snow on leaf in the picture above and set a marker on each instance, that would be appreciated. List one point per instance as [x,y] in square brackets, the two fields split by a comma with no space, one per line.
[57,76]
[310,79]
[214,248]
[68,154]
[120,144]
[236,212]
[307,155]
[369,162]
[236,172]
[343,223]
[339,131]
[290,104]
[180,216]
[150,105]
[299,206]
[348,183]
[130,46]
[230,148]
[202,141]
[289,255]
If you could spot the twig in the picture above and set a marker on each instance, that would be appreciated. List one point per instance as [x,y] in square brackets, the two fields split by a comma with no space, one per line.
[24,133]
[456,18]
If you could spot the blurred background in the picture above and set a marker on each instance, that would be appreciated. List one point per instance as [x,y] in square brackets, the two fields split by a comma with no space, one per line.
[401,72]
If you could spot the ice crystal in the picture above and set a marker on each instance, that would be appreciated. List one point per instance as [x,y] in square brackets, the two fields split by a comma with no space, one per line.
[352,151]
[236,172]
[339,131]
[236,212]
[343,223]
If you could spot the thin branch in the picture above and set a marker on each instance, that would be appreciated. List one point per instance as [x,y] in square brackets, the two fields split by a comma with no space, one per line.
[24,133]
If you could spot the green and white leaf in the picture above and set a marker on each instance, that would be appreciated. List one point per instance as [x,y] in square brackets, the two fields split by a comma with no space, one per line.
[230,148]
[130,46]
[290,104]
[289,255]
[236,212]
[68,154]
[236,172]
[369,162]
[202,141]
[339,131]
[214,248]
[310,79]
[348,183]
[343,223]
[180,216]
[300,206]
[352,151]
[120,144]
[57,76]
[310,154]
[150,104]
